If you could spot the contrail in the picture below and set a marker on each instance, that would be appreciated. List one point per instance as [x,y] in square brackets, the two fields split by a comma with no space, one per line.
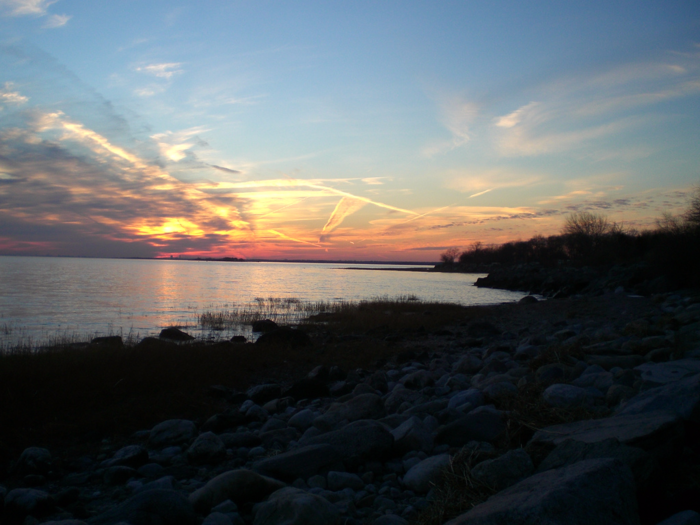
[293,239]
[345,207]
[428,213]
[481,193]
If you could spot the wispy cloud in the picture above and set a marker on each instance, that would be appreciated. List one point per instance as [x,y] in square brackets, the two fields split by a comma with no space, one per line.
[10,97]
[165,70]
[345,207]
[174,146]
[55,21]
[26,7]
[457,115]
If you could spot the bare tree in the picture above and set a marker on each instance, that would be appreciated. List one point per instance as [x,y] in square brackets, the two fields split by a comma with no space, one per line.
[450,255]
[588,224]
[692,215]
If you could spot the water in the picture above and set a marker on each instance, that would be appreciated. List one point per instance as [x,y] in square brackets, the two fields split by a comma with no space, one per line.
[43,298]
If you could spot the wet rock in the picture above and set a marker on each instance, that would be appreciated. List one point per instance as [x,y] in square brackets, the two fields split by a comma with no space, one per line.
[292,506]
[164,507]
[172,432]
[420,477]
[207,448]
[591,491]
[504,471]
[175,334]
[481,424]
[240,486]
[303,462]
[34,460]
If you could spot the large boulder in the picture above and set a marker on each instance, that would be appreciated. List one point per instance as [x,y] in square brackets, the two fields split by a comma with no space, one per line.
[359,441]
[130,456]
[421,477]
[303,462]
[657,374]
[680,397]
[207,448]
[20,503]
[172,432]
[240,486]
[504,471]
[264,393]
[34,460]
[292,506]
[592,491]
[364,406]
[481,424]
[175,334]
[284,336]
[412,434]
[150,507]
[570,396]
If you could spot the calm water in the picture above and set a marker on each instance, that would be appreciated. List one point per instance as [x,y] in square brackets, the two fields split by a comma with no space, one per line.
[44,297]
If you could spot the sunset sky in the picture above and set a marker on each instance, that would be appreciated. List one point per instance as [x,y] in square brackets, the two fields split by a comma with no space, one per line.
[362,130]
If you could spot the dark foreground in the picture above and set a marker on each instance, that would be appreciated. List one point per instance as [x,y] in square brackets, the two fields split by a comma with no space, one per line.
[577,410]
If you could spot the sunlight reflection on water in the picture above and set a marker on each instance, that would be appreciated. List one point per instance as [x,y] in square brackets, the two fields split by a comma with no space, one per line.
[43,297]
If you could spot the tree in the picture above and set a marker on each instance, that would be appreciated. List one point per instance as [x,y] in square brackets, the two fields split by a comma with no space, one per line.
[692,215]
[588,224]
[450,255]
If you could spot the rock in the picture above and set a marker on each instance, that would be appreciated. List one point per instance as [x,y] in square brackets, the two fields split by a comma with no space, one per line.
[500,390]
[303,462]
[528,299]
[264,325]
[291,506]
[163,507]
[421,476]
[34,460]
[412,434]
[240,439]
[172,432]
[482,329]
[118,475]
[130,456]
[471,396]
[359,441]
[481,424]
[221,422]
[207,448]
[645,430]
[571,451]
[278,438]
[217,518]
[239,339]
[175,334]
[364,406]
[109,340]
[284,336]
[615,361]
[570,396]
[302,419]
[504,471]
[341,480]
[263,393]
[240,486]
[591,491]
[307,388]
[680,397]
[657,374]
[27,502]
[687,517]
[417,380]
[399,396]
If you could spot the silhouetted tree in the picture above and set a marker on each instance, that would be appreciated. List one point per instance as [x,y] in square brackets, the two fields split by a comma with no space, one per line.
[450,255]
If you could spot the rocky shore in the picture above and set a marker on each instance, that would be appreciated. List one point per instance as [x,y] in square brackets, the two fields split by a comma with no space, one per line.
[584,410]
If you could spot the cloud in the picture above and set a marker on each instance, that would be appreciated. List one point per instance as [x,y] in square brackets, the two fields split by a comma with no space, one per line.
[57,21]
[457,116]
[173,145]
[479,182]
[164,70]
[10,97]
[26,7]
[345,207]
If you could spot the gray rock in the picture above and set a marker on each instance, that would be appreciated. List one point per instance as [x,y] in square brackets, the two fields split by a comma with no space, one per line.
[165,483]
[680,397]
[569,396]
[646,430]
[421,476]
[302,419]
[133,456]
[65,522]
[597,491]
[614,361]
[118,475]
[172,432]
[500,389]
[472,396]
[481,424]
[217,518]
[571,451]
[364,406]
[207,448]
[303,462]
[34,460]
[164,507]
[399,396]
[412,434]
[240,486]
[687,517]
[469,364]
[663,373]
[504,471]
[390,519]
[362,440]
[27,502]
[344,480]
[261,394]
[292,506]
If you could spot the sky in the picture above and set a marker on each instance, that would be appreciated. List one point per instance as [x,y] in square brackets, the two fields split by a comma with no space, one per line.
[365,130]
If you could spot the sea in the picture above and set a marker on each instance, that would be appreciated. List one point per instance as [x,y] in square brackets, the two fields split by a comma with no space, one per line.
[49,300]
